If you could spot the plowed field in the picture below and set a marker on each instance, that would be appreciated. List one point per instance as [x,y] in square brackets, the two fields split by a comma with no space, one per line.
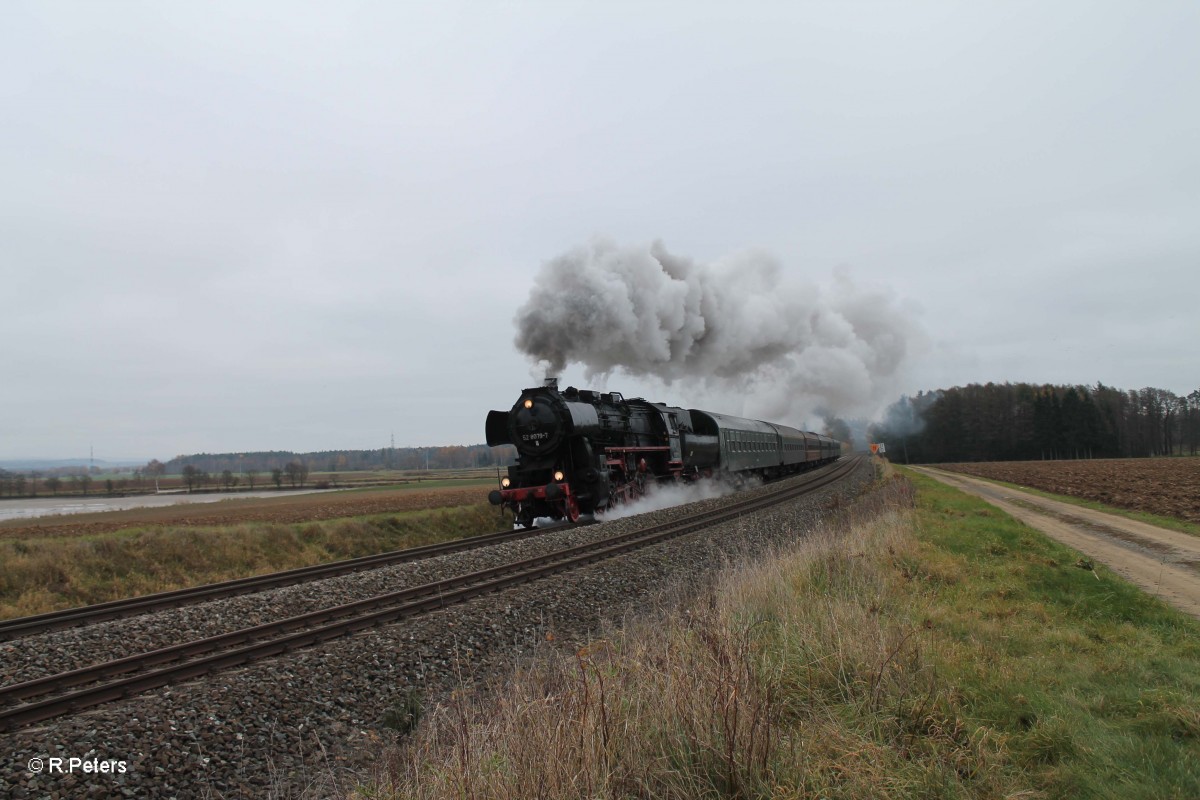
[1166,486]
[294,508]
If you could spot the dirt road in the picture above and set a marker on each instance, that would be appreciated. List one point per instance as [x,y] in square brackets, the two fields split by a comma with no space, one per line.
[1165,563]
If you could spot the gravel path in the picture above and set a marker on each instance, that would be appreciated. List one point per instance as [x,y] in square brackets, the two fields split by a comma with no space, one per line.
[316,711]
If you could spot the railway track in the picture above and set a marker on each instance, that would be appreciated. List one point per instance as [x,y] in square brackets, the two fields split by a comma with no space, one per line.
[116,609]
[115,680]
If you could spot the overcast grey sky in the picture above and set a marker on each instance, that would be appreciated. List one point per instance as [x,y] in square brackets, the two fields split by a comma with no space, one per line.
[244,226]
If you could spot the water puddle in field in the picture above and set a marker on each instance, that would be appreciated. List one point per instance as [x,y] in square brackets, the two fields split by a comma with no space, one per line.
[36,507]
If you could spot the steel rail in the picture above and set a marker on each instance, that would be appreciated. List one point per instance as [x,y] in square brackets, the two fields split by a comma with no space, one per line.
[363,614]
[144,604]
[48,684]
[18,627]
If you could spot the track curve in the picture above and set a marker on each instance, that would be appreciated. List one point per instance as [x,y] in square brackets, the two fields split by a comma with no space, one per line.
[243,646]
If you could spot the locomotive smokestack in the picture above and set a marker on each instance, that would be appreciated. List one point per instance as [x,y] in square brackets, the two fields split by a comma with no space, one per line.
[551,383]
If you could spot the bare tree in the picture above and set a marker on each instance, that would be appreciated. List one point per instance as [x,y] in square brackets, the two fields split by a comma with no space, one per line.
[154,469]
[191,476]
[297,472]
[251,477]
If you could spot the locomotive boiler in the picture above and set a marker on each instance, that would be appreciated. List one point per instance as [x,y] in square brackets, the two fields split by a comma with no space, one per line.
[581,451]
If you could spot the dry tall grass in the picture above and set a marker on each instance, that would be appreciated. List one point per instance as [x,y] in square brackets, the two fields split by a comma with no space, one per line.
[49,573]
[792,679]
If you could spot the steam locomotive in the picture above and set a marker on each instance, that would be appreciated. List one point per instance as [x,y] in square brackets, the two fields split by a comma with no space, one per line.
[581,451]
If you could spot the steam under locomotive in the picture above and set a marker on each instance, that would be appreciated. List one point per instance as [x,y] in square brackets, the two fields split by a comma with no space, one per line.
[581,451]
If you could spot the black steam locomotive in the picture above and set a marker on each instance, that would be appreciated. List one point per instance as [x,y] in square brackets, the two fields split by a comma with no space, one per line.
[581,451]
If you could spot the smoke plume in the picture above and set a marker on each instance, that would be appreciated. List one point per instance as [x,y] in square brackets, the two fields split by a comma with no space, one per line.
[738,328]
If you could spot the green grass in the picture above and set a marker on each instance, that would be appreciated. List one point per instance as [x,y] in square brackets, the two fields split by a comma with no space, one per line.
[931,650]
[45,574]
[1172,523]
[413,484]
[1093,684]
[456,483]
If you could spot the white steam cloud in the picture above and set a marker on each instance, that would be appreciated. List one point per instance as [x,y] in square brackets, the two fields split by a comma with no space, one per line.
[738,328]
[671,495]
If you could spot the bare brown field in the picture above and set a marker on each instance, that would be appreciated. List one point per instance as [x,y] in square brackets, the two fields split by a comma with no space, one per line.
[1169,487]
[287,508]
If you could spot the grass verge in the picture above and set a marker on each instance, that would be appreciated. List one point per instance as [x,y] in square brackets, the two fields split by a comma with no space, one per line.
[936,649]
[45,574]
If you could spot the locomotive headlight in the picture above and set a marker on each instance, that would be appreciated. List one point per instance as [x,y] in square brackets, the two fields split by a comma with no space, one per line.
[558,476]
[505,483]
[529,404]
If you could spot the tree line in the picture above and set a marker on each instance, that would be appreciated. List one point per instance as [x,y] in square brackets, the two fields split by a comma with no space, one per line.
[229,470]
[405,458]
[22,484]
[294,472]
[18,484]
[1023,421]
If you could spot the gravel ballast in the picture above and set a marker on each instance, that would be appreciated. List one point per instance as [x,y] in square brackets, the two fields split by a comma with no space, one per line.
[299,720]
